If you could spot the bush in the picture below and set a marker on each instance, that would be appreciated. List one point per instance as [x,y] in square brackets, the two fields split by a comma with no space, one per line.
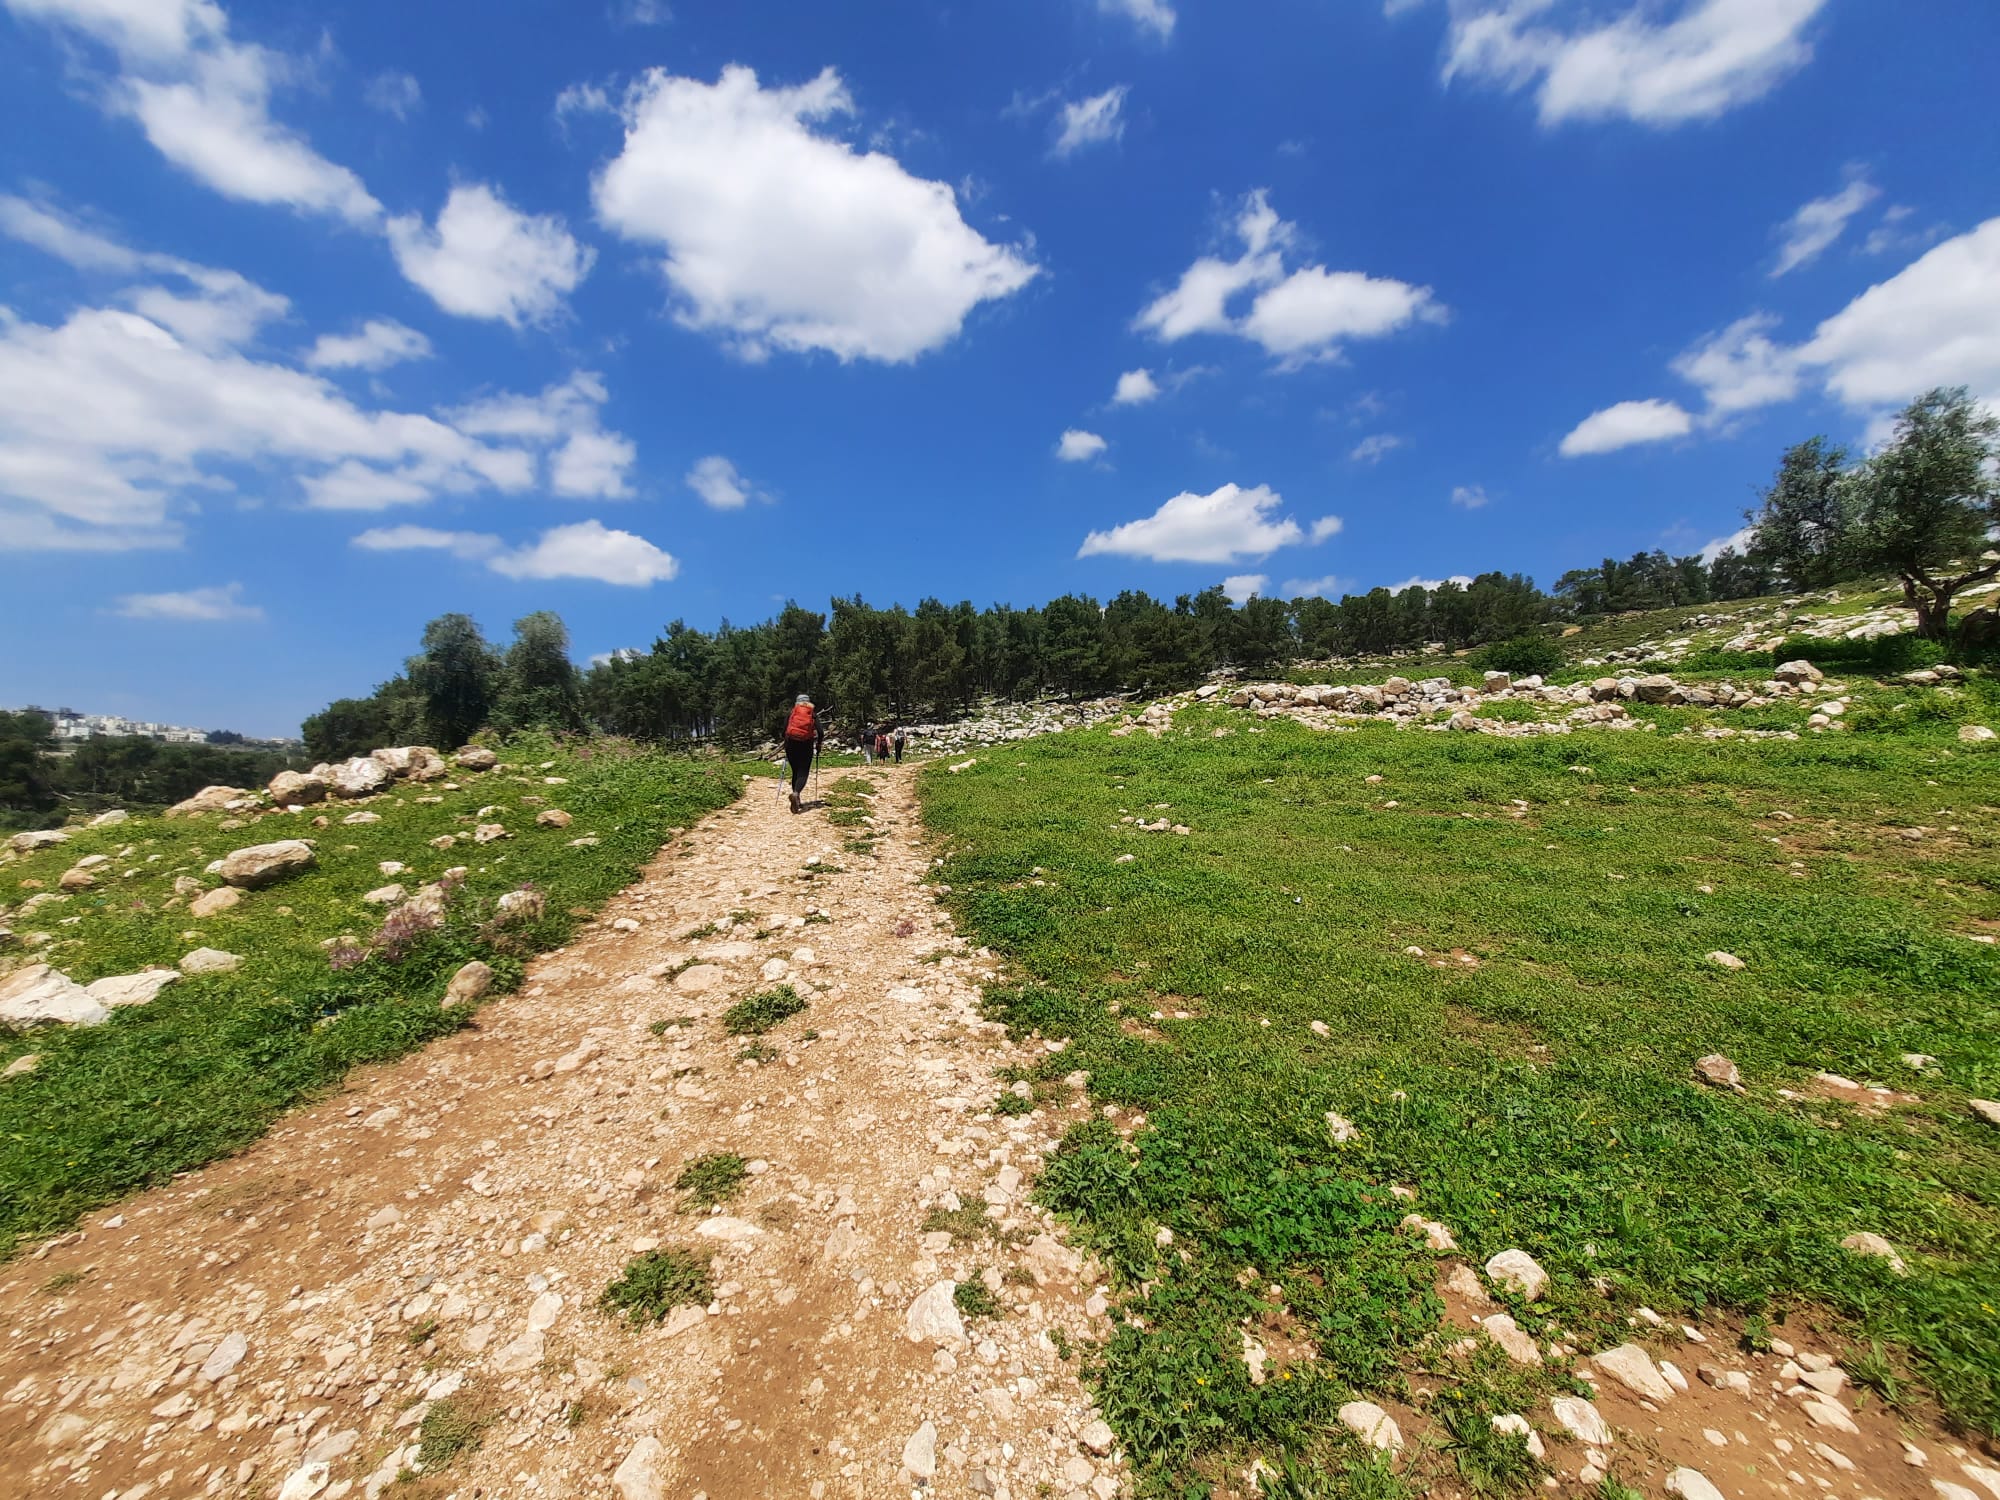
[758,1014]
[656,1283]
[1885,656]
[1524,656]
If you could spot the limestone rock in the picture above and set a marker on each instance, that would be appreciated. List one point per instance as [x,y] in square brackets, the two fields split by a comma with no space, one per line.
[363,776]
[1582,1421]
[46,838]
[470,983]
[1372,1425]
[212,799]
[1725,960]
[260,865]
[933,1317]
[1720,1072]
[27,1062]
[1798,673]
[1633,1368]
[210,961]
[224,1358]
[488,833]
[639,1477]
[1437,1234]
[475,758]
[1519,1425]
[218,900]
[131,989]
[521,906]
[305,1481]
[1877,1247]
[1519,1271]
[553,817]
[1987,1110]
[297,788]
[384,895]
[39,996]
[1505,1332]
[1692,1484]
[920,1451]
[1974,734]
[78,879]
[700,979]
[1098,1437]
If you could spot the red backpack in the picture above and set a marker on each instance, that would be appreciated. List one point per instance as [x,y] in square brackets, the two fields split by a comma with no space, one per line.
[801,725]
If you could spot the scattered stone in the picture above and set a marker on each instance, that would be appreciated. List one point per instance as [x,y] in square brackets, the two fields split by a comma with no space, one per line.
[363,776]
[260,865]
[521,906]
[920,1451]
[1987,1110]
[1975,734]
[1508,1334]
[470,983]
[213,799]
[1797,672]
[384,895]
[1372,1425]
[933,1317]
[1824,1413]
[1439,1237]
[78,879]
[305,1481]
[40,996]
[1875,1246]
[1725,960]
[488,833]
[1340,1128]
[553,817]
[27,1062]
[214,902]
[475,758]
[224,1358]
[1692,1484]
[1518,1271]
[1718,1071]
[1633,1368]
[1519,1425]
[45,838]
[1582,1421]
[297,788]
[1098,1437]
[131,989]
[360,819]
[210,961]
[700,979]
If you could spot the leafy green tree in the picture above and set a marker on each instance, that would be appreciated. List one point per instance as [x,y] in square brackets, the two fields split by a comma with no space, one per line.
[1929,500]
[455,676]
[27,789]
[1806,526]
[538,684]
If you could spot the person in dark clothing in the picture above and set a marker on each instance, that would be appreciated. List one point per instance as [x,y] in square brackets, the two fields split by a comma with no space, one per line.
[882,743]
[900,740]
[803,735]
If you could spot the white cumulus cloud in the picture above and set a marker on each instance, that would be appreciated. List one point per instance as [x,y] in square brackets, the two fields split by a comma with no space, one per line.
[1242,586]
[1325,527]
[1374,448]
[778,234]
[1817,224]
[487,259]
[1741,367]
[1306,588]
[380,343]
[720,485]
[1218,527]
[584,549]
[1463,580]
[1469,496]
[211,604]
[1135,388]
[1737,542]
[1091,121]
[1625,424]
[1078,446]
[1656,63]
[1297,315]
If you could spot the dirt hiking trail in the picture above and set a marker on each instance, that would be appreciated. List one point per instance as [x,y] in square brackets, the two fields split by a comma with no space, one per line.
[434,1238]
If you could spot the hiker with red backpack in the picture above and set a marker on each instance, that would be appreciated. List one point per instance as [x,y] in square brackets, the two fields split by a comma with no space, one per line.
[803,736]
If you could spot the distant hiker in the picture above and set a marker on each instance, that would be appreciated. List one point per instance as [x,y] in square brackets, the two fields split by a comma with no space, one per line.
[882,743]
[802,740]
[867,746]
[900,740]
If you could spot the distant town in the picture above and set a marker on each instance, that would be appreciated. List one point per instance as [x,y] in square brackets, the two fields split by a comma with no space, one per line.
[72,727]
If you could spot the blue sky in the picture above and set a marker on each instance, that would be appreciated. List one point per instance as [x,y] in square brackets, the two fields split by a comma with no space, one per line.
[320,321]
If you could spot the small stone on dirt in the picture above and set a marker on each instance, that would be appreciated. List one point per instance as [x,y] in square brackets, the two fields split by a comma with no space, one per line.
[1518,1271]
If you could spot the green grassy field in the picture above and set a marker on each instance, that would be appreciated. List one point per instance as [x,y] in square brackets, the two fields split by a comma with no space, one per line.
[1530,1074]
[206,1067]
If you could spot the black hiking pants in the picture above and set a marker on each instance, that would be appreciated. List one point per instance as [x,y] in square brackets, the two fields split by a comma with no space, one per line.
[800,754]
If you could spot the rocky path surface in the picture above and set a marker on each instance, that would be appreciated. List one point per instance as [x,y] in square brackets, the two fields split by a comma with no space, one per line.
[422,1254]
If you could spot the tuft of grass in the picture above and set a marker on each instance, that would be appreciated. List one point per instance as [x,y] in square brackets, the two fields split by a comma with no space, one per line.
[1610,1489]
[449,1428]
[757,1052]
[972,1298]
[62,1281]
[656,1283]
[1011,1103]
[1372,1478]
[967,1223]
[762,1011]
[712,1179]
[421,1332]
[663,1026]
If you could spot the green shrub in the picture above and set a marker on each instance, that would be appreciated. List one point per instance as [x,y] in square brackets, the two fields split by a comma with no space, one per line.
[758,1014]
[1524,656]
[1883,657]
[656,1283]
[712,1179]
